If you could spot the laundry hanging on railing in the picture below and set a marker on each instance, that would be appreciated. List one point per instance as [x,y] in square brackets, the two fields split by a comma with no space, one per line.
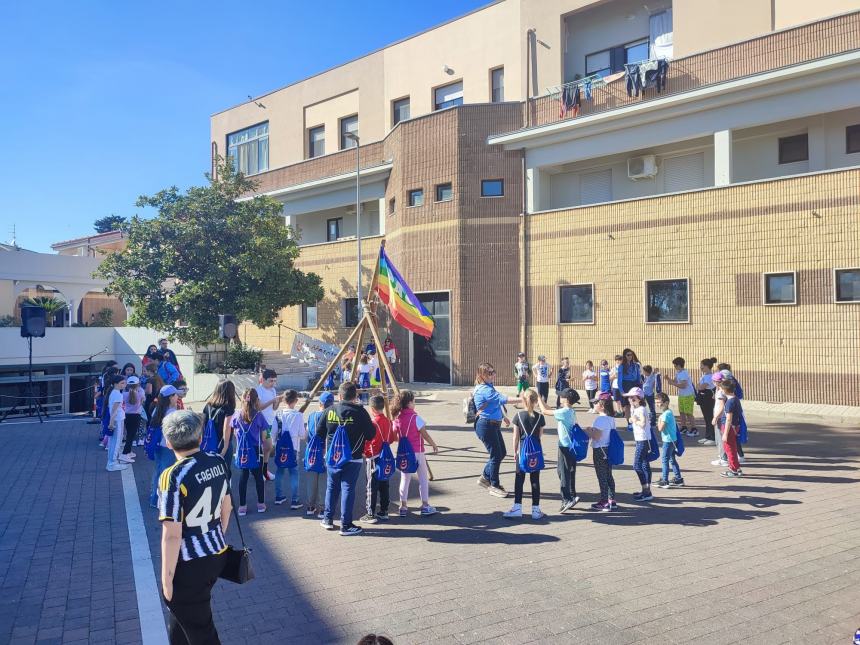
[570,100]
[645,75]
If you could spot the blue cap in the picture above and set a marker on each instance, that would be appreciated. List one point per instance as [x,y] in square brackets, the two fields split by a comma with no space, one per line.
[326,399]
[168,390]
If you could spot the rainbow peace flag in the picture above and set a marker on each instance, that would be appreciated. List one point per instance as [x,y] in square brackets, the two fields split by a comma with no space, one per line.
[404,306]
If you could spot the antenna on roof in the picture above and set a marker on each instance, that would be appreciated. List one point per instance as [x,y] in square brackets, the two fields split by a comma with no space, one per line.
[14,240]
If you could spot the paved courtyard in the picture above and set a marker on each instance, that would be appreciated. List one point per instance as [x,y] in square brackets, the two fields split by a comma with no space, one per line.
[770,558]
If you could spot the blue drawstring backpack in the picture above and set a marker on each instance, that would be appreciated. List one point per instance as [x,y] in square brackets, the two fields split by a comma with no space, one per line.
[407,462]
[210,437]
[339,450]
[285,453]
[653,447]
[742,435]
[385,464]
[578,442]
[329,382]
[247,451]
[615,451]
[531,453]
[152,441]
[679,444]
[314,461]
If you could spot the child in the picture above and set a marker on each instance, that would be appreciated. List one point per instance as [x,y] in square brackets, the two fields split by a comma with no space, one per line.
[562,381]
[542,371]
[589,382]
[521,373]
[605,375]
[315,491]
[132,400]
[527,422]
[641,425]
[412,428]
[705,398]
[116,424]
[346,377]
[566,418]
[375,487]
[686,397]
[599,432]
[616,391]
[167,401]
[364,368]
[649,387]
[289,420]
[373,361]
[730,427]
[726,370]
[669,435]
[249,422]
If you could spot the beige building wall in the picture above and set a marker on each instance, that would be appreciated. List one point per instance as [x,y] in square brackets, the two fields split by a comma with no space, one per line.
[795,12]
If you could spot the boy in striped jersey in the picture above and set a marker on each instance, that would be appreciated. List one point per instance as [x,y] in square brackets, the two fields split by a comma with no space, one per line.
[194,508]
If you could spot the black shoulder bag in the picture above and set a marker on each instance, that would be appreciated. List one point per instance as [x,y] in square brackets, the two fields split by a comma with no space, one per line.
[237,565]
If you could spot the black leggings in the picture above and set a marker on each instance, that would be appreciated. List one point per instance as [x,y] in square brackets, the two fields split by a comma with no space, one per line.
[258,482]
[132,424]
[520,479]
[543,390]
[706,403]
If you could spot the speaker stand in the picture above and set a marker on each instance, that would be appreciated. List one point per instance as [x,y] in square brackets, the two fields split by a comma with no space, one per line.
[33,402]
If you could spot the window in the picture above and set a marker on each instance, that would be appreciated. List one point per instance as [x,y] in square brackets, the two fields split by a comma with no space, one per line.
[609,61]
[444,192]
[847,285]
[595,187]
[416,197]
[497,85]
[333,227]
[448,96]
[598,63]
[392,204]
[348,125]
[779,288]
[576,304]
[792,149]
[248,149]
[316,142]
[492,187]
[636,52]
[684,172]
[399,110]
[309,316]
[852,139]
[667,301]
[350,312]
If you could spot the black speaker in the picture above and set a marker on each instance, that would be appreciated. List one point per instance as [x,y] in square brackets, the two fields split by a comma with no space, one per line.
[228,326]
[33,321]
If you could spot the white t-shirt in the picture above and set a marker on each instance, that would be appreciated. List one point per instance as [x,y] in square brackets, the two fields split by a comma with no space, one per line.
[521,369]
[542,372]
[266,394]
[614,375]
[588,379]
[605,424]
[292,422]
[119,415]
[684,375]
[364,368]
[641,423]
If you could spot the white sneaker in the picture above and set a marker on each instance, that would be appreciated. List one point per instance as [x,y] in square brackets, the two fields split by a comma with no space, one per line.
[708,442]
[537,514]
[742,460]
[701,441]
[515,512]
[270,476]
[719,462]
[125,459]
[115,467]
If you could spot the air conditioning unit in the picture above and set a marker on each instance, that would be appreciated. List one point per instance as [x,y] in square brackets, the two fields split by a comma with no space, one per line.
[644,167]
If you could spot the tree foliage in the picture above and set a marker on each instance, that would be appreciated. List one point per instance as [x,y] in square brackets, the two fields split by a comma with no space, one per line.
[208,253]
[110,223]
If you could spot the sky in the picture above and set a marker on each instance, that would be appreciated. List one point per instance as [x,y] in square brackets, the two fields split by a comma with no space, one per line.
[101,102]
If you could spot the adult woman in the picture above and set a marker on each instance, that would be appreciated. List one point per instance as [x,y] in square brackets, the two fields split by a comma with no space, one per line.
[220,407]
[164,458]
[488,426]
[705,398]
[151,355]
[629,376]
[128,370]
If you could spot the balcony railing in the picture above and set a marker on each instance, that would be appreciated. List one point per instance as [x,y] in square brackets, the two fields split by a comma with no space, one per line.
[837,35]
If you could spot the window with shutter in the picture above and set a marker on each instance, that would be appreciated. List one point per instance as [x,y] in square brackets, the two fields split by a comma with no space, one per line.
[686,172]
[595,187]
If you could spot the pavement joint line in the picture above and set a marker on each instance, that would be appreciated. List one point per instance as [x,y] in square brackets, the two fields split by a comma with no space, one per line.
[152,628]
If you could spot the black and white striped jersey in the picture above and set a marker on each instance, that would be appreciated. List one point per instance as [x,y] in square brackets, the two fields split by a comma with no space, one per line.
[191,491]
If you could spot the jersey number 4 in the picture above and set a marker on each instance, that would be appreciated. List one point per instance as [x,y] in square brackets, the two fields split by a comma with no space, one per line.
[201,514]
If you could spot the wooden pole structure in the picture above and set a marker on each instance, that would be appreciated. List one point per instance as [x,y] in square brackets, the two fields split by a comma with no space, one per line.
[335,361]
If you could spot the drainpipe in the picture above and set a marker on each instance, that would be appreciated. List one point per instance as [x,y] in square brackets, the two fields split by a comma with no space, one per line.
[523,262]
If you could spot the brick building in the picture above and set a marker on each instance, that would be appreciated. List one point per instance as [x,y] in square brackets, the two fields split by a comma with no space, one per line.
[716,215]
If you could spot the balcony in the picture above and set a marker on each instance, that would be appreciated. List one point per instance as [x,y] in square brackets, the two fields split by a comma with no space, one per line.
[830,37]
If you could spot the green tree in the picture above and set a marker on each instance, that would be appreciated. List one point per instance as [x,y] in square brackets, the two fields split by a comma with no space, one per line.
[208,253]
[50,304]
[110,223]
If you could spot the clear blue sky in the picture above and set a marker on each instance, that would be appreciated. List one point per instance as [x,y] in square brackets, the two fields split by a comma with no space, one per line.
[103,101]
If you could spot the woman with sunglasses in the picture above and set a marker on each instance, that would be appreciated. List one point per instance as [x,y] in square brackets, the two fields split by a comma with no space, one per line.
[488,426]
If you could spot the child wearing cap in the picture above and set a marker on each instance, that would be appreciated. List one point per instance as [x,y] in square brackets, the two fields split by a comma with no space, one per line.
[641,424]
[542,371]
[521,373]
[316,482]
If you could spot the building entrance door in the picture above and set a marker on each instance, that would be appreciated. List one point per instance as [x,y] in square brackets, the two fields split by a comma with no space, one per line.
[431,358]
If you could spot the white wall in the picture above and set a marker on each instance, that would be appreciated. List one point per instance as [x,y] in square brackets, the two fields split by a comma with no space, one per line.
[313,225]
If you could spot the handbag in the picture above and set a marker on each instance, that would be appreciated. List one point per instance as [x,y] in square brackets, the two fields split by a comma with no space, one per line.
[237,562]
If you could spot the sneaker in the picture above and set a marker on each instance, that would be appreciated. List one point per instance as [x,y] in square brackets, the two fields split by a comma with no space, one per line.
[403,511]
[346,531]
[646,497]
[662,484]
[131,454]
[537,514]
[601,506]
[382,516]
[294,506]
[116,467]
[701,441]
[515,512]
[269,476]
[498,491]
[328,525]
[243,511]
[261,508]
[742,460]
[731,473]
[678,482]
[708,442]
[321,515]
[368,518]
[693,433]
[124,459]
[637,497]
[484,482]
[684,431]
[428,510]
[719,462]
[612,505]
[280,500]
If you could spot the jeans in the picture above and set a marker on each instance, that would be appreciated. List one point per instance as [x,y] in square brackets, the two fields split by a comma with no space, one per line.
[641,465]
[164,459]
[667,456]
[567,473]
[519,481]
[294,483]
[341,482]
[114,445]
[376,489]
[259,482]
[132,425]
[190,620]
[315,489]
[590,394]
[490,433]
